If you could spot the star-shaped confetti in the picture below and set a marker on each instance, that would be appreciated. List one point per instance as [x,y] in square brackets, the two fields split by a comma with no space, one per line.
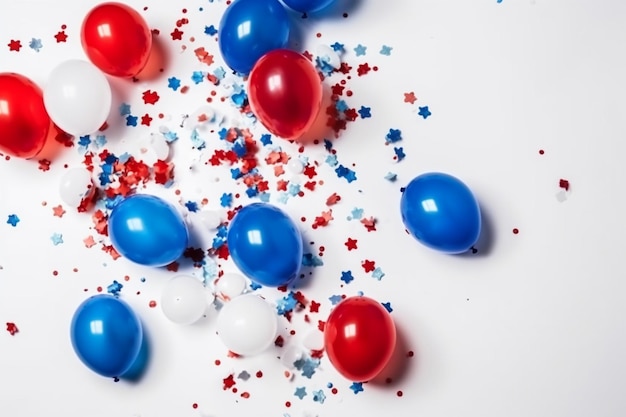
[360,50]
[385,50]
[57,239]
[300,392]
[13,220]
[356,387]
[35,44]
[424,112]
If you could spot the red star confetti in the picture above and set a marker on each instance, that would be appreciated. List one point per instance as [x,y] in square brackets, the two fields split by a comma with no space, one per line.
[150,97]
[351,244]
[61,36]
[58,211]
[410,97]
[146,119]
[15,45]
[12,328]
[89,241]
[368,265]
[177,34]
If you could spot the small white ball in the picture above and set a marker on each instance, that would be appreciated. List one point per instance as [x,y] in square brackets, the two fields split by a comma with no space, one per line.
[184,299]
[230,285]
[76,185]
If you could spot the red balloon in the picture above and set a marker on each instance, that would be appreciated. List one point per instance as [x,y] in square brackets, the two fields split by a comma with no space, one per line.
[24,122]
[359,338]
[116,39]
[285,93]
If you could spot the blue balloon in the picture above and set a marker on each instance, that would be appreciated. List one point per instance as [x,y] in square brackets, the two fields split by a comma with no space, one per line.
[441,212]
[251,28]
[148,230]
[265,244]
[308,6]
[106,335]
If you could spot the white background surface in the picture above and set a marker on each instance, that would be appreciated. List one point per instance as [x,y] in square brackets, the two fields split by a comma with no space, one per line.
[532,325]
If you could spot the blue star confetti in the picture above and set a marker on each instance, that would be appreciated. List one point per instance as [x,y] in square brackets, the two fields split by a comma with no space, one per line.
[356,387]
[300,392]
[365,112]
[360,50]
[173,83]
[210,30]
[131,120]
[124,109]
[394,135]
[337,47]
[35,45]
[378,273]
[385,50]
[308,259]
[115,288]
[57,239]
[424,112]
[319,396]
[335,299]
[399,153]
[13,220]
[387,306]
[346,276]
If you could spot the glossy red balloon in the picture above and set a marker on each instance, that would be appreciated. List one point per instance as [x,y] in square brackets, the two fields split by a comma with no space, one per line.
[359,338]
[116,39]
[285,93]
[24,122]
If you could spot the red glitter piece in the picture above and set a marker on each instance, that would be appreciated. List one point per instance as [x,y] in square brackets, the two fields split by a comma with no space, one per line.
[203,56]
[100,222]
[564,184]
[89,242]
[44,165]
[314,307]
[150,97]
[162,172]
[351,244]
[308,55]
[337,89]
[146,119]
[12,328]
[282,185]
[173,267]
[300,298]
[309,171]
[15,45]
[61,36]
[363,69]
[229,381]
[323,219]
[245,394]
[333,199]
[410,97]
[310,185]
[368,265]
[351,115]
[321,325]
[279,342]
[195,254]
[111,251]
[370,224]
[222,252]
[177,34]
[345,68]
[58,211]
[317,354]
[152,304]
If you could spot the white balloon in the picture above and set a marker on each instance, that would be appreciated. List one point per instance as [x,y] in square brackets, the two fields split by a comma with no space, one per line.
[77,97]
[230,285]
[76,185]
[295,165]
[314,340]
[184,299]
[290,356]
[247,325]
[210,218]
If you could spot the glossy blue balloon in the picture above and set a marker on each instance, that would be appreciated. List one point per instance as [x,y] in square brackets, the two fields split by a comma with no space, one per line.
[441,212]
[251,28]
[106,335]
[148,230]
[308,6]
[265,244]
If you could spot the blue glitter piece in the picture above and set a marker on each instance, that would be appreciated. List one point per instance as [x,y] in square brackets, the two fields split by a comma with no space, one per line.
[399,153]
[131,120]
[391,176]
[360,50]
[239,147]
[218,242]
[283,198]
[252,191]
[219,73]
[387,306]
[365,112]
[300,392]
[293,189]
[394,135]
[84,141]
[125,157]
[235,173]
[335,299]
[173,83]
[337,47]
[309,367]
[222,231]
[210,30]
[13,220]
[254,286]
[100,141]
[197,77]
[239,98]
[346,276]
[357,213]
[191,206]
[378,273]
[331,160]
[385,50]
[115,288]
[209,271]
[222,133]
[197,141]
[328,145]
[264,197]
[57,239]
[322,64]
[124,109]
[170,136]
[308,259]
[286,304]
[424,112]
[356,387]
[35,44]
[226,200]
[341,106]
[266,139]
[319,396]
[109,203]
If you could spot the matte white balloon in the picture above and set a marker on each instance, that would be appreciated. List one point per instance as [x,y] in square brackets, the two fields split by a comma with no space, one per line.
[230,285]
[184,299]
[77,97]
[76,185]
[313,340]
[247,325]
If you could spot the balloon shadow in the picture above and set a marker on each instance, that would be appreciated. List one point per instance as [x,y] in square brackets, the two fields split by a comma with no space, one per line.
[138,369]
[337,10]
[486,240]
[157,61]
[399,365]
[320,128]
